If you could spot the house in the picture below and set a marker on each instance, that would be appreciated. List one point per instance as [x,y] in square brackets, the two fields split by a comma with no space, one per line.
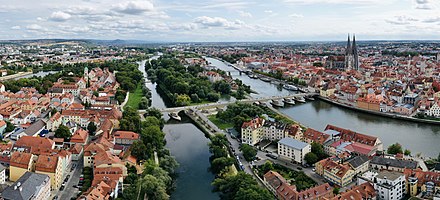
[35,143]
[125,137]
[3,126]
[35,128]
[20,163]
[360,192]
[80,136]
[283,190]
[388,184]
[382,163]
[351,136]
[251,132]
[359,164]
[29,186]
[293,150]
[2,174]
[420,181]
[54,122]
[312,135]
[335,172]
[52,167]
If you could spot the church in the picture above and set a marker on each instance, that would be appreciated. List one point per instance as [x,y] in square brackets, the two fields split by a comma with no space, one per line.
[351,55]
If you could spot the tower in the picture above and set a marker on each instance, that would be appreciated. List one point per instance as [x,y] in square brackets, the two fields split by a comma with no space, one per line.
[351,55]
[86,73]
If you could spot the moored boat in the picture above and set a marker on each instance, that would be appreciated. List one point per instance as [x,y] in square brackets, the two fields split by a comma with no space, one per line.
[277,103]
[265,79]
[175,116]
[290,87]
[300,99]
[289,101]
[310,98]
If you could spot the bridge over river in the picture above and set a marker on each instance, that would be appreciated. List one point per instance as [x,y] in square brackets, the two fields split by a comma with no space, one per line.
[212,105]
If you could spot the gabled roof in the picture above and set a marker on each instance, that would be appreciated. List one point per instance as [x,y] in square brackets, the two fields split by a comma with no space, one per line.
[30,185]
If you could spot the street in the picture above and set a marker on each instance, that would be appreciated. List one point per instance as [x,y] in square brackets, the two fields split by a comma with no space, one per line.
[70,191]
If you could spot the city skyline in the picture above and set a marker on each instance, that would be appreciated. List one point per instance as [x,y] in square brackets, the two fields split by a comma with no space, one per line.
[221,20]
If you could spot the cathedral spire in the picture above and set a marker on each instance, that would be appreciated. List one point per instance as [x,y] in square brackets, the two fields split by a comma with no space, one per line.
[348,49]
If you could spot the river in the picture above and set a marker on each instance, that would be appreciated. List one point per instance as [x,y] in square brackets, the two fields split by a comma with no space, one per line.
[417,137]
[38,74]
[189,146]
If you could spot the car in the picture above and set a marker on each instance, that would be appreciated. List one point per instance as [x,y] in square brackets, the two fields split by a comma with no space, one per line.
[68,176]
[55,198]
[271,156]
[62,188]
[299,168]
[314,169]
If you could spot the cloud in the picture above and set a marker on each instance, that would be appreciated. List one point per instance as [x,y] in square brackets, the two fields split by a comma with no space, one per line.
[245,14]
[352,2]
[423,4]
[60,16]
[16,28]
[401,20]
[294,15]
[34,27]
[219,22]
[432,20]
[268,11]
[134,7]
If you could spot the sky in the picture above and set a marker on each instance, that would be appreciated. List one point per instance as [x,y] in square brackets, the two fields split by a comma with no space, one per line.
[220,20]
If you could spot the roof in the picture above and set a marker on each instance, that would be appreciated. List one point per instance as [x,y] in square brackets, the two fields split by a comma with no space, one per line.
[46,163]
[358,161]
[30,184]
[360,192]
[20,159]
[378,160]
[316,136]
[35,143]
[35,127]
[2,123]
[390,175]
[290,142]
[126,135]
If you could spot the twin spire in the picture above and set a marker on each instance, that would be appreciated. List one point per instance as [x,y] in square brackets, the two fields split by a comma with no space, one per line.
[351,47]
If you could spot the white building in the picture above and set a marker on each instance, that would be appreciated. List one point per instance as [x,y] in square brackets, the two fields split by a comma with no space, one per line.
[389,185]
[434,111]
[292,149]
[2,174]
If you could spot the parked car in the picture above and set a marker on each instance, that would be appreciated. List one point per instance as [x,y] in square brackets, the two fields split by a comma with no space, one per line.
[271,156]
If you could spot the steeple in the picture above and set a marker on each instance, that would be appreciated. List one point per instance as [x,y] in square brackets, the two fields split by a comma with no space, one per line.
[354,48]
[348,49]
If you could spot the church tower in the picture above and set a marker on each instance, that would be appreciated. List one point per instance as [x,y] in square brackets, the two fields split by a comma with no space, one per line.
[351,55]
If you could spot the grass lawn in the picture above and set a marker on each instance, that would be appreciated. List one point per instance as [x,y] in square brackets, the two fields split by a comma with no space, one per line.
[219,123]
[135,97]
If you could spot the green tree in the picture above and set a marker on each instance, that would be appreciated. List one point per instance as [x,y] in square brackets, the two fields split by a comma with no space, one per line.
[395,149]
[131,178]
[335,191]
[140,151]
[213,97]
[318,150]
[63,132]
[195,98]
[182,100]
[168,163]
[91,127]
[153,137]
[9,126]
[407,152]
[153,188]
[249,152]
[218,164]
[144,103]
[311,158]
[230,186]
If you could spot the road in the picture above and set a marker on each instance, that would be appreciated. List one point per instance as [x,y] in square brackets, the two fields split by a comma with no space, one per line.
[70,191]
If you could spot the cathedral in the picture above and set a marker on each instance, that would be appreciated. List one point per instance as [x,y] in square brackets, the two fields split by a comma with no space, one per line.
[351,55]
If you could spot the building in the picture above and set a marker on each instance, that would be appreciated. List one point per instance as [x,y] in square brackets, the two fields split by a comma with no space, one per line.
[2,174]
[352,136]
[420,181]
[20,164]
[388,184]
[382,163]
[258,129]
[251,132]
[359,164]
[29,186]
[351,55]
[335,172]
[293,150]
[51,166]
[125,137]
[283,190]
[364,191]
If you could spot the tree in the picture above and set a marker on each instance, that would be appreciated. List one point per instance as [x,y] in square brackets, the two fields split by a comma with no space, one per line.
[311,158]
[144,103]
[213,97]
[230,186]
[131,178]
[395,149]
[318,150]
[140,151]
[249,152]
[182,100]
[153,188]
[195,98]
[218,164]
[91,127]
[9,126]
[168,163]
[153,137]
[335,191]
[63,132]
[407,152]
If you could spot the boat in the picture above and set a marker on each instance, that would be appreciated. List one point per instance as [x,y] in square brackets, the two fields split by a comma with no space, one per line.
[310,98]
[289,101]
[262,103]
[277,103]
[300,99]
[257,103]
[265,79]
[253,76]
[290,87]
[175,116]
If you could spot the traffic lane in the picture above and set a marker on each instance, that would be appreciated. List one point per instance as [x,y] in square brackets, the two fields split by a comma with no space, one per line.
[70,191]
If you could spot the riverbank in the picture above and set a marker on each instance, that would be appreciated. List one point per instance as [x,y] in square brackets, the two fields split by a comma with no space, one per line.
[389,115]
[14,76]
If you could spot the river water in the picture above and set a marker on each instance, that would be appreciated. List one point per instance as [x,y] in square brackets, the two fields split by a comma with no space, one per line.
[417,137]
[189,146]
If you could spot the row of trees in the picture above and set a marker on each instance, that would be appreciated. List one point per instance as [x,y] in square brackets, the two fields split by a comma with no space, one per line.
[156,181]
[241,186]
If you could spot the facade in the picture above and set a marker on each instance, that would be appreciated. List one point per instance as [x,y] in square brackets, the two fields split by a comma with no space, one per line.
[351,55]
[335,172]
[29,186]
[382,163]
[125,137]
[51,166]
[20,164]
[418,181]
[258,129]
[293,150]
[388,184]
[2,174]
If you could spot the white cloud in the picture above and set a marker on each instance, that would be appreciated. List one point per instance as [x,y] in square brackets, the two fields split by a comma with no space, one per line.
[268,11]
[134,7]
[219,22]
[423,4]
[60,16]
[333,1]
[34,27]
[16,28]
[245,14]
[401,20]
[294,15]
